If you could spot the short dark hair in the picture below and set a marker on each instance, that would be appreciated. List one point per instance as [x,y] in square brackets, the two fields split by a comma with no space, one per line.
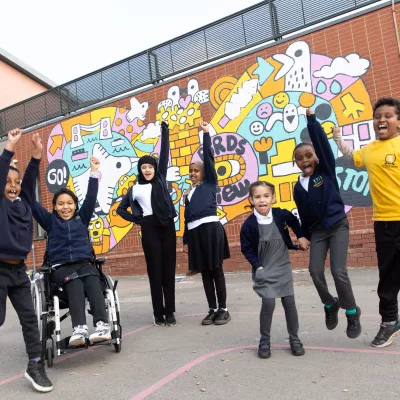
[257,184]
[388,101]
[300,145]
[14,169]
[64,190]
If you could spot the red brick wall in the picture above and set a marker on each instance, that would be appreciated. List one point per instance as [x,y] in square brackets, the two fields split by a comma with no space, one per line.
[371,35]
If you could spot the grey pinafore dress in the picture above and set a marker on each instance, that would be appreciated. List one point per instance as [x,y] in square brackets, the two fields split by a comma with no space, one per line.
[275,279]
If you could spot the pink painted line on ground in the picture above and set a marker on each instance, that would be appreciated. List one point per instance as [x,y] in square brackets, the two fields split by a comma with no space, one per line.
[150,390]
[72,355]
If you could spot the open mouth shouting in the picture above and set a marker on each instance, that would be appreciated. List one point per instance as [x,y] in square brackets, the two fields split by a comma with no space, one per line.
[382,127]
[307,169]
[12,194]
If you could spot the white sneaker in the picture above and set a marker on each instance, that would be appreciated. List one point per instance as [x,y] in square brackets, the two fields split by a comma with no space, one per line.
[101,333]
[79,336]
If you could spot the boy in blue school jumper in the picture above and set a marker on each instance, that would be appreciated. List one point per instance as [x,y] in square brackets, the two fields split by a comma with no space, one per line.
[265,240]
[324,222]
[16,202]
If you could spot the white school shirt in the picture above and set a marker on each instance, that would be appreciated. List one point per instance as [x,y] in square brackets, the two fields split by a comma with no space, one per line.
[304,181]
[142,194]
[264,219]
[205,220]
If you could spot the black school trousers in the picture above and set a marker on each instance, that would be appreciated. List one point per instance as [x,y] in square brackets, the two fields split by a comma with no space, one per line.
[387,240]
[15,284]
[159,246]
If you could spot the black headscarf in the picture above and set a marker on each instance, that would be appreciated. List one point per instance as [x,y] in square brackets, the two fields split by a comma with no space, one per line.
[158,202]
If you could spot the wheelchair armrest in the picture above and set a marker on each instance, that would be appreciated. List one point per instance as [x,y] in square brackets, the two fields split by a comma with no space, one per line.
[100,261]
[44,268]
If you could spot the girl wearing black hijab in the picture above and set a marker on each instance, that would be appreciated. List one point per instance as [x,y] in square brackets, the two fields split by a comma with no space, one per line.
[153,210]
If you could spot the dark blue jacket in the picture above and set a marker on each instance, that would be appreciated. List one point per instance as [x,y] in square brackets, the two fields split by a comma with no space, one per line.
[16,216]
[322,203]
[250,235]
[203,202]
[127,201]
[68,241]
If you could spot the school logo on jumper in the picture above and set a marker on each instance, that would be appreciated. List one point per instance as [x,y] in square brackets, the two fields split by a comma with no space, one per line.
[318,181]
[390,160]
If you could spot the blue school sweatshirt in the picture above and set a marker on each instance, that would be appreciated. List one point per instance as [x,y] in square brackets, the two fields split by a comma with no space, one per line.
[322,203]
[203,202]
[68,241]
[250,234]
[16,216]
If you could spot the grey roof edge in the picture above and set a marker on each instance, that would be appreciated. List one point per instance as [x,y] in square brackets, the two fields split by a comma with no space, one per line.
[26,69]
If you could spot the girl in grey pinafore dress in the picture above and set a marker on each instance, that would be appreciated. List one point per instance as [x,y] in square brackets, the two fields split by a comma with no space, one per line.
[275,280]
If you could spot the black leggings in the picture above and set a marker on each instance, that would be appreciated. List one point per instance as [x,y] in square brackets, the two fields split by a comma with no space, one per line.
[76,290]
[159,246]
[292,319]
[214,281]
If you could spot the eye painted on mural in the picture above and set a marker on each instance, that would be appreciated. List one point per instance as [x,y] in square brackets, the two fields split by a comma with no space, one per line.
[230,169]
[256,128]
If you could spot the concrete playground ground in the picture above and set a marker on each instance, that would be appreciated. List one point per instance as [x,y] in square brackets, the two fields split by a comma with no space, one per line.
[190,361]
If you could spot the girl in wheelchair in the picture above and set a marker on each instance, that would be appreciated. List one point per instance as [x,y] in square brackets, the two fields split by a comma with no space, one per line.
[70,258]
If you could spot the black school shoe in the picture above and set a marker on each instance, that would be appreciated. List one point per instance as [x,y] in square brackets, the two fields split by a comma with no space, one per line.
[36,374]
[264,350]
[210,318]
[386,335]
[170,320]
[159,321]
[353,324]
[297,349]
[331,315]
[222,317]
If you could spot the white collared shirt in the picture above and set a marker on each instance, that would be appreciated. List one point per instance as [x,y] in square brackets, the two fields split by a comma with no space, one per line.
[205,220]
[142,193]
[264,220]
[304,181]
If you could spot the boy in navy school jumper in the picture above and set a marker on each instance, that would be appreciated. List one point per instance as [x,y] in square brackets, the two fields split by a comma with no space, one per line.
[16,202]
[70,252]
[324,222]
[265,240]
[204,237]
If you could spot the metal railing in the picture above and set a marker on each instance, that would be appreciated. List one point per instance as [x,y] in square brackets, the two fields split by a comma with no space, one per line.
[263,22]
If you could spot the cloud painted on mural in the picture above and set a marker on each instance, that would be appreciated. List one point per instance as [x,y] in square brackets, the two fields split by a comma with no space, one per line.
[259,118]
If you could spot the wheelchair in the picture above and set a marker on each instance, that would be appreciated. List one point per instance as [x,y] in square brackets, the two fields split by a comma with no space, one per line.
[50,301]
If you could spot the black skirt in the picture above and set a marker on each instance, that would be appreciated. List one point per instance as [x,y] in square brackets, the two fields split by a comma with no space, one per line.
[207,246]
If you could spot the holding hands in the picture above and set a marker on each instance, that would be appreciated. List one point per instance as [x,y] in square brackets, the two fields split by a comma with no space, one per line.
[304,244]
[94,164]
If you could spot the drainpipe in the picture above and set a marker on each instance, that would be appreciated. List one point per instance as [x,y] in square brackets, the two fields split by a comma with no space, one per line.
[395,27]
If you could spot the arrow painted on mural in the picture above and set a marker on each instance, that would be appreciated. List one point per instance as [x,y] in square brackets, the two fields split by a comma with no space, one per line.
[57,144]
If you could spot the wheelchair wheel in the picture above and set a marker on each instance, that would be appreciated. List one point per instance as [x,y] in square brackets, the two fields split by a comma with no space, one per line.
[49,357]
[39,303]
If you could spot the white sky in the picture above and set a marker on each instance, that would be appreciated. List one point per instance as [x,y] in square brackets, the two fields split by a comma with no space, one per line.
[66,39]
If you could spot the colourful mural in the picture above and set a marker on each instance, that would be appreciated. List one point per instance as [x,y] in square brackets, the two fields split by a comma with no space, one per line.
[259,118]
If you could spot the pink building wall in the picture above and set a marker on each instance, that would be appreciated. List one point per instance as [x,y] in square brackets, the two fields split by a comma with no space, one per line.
[15,86]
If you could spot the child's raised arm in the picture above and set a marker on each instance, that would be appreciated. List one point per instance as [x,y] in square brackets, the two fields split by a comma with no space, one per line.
[14,137]
[321,144]
[208,158]
[164,152]
[31,174]
[89,204]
